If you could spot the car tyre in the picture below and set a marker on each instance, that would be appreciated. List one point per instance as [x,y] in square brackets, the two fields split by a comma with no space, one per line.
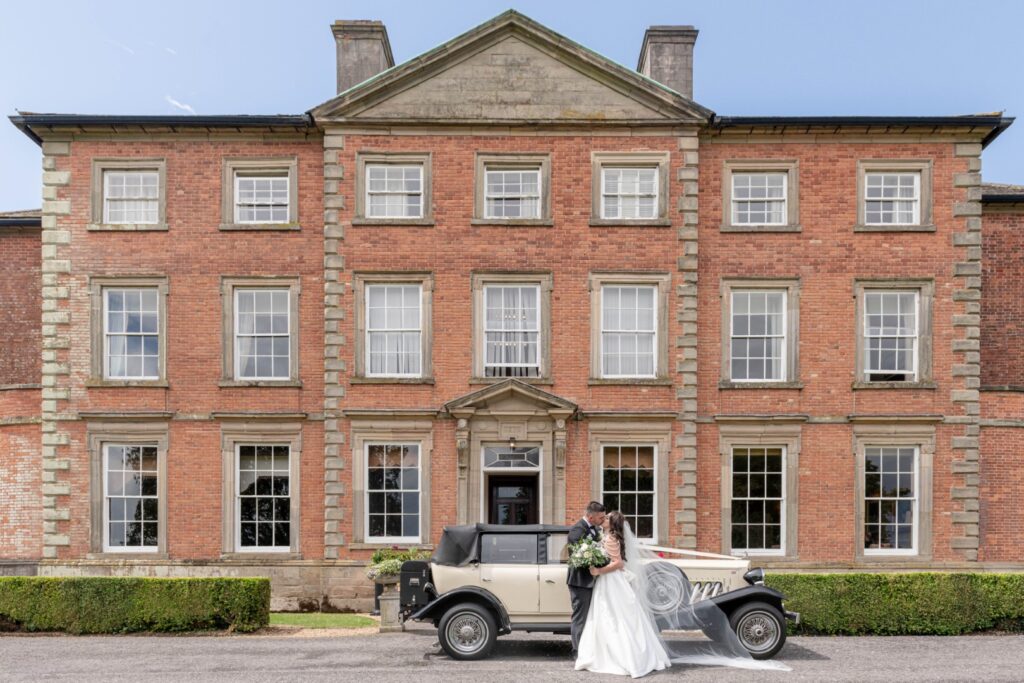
[467,631]
[760,627]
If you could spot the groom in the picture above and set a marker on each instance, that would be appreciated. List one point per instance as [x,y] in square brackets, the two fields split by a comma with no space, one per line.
[581,582]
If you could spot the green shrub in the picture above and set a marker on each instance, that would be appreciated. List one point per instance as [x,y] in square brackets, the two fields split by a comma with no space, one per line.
[126,604]
[394,553]
[903,604]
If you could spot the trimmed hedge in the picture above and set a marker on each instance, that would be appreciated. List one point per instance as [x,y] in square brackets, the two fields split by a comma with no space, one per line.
[903,604]
[127,604]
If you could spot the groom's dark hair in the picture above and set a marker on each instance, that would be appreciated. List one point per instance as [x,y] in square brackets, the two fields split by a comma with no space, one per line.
[593,507]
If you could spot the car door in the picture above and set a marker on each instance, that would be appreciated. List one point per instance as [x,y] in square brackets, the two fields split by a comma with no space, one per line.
[555,603]
[508,569]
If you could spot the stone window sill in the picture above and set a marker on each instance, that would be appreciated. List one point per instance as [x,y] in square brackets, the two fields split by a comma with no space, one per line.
[391,380]
[126,227]
[362,545]
[893,561]
[259,227]
[729,227]
[526,380]
[395,222]
[726,384]
[262,557]
[131,557]
[894,228]
[97,383]
[234,383]
[627,223]
[630,381]
[893,385]
[512,222]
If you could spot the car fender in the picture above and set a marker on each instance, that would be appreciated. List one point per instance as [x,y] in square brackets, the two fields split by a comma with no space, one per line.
[728,602]
[435,609]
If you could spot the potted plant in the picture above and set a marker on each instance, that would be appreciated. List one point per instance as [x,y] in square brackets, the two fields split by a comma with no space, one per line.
[385,572]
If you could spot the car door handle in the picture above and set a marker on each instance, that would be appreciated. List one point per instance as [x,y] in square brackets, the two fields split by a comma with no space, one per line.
[486,579]
[549,580]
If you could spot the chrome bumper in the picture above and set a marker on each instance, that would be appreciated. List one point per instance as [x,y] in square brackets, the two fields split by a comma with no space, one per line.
[792,616]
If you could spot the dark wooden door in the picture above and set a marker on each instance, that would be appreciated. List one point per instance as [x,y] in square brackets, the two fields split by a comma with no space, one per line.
[512,500]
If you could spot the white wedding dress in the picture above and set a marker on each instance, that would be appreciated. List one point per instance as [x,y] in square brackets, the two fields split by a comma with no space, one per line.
[619,636]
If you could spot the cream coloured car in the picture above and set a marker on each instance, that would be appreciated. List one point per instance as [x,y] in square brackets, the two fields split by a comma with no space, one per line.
[489,580]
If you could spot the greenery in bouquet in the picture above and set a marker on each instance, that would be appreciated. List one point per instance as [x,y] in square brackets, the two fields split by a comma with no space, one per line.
[587,553]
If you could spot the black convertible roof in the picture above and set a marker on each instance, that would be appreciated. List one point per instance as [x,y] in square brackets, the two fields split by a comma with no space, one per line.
[460,545]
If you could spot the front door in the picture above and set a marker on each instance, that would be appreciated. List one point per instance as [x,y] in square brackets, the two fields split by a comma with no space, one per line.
[512,499]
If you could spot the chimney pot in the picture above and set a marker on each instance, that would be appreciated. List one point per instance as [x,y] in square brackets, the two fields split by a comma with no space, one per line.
[666,56]
[363,51]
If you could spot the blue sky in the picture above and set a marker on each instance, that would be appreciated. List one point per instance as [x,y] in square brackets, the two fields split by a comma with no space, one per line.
[259,57]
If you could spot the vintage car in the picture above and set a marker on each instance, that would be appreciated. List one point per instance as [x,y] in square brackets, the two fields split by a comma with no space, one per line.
[489,580]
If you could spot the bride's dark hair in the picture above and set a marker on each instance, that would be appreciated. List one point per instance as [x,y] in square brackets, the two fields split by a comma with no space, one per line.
[616,526]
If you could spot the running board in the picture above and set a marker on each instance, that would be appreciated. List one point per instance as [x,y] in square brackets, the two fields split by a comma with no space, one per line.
[542,628]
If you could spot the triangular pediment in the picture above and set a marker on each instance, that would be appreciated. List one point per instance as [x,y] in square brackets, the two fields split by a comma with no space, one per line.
[511,70]
[511,397]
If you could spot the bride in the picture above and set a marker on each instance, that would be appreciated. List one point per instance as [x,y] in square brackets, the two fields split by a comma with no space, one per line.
[621,634]
[619,637]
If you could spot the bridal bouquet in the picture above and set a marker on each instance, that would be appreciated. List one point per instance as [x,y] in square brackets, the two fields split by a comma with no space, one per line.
[587,553]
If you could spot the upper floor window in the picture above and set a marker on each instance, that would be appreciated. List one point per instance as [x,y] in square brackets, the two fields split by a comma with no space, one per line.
[892,198]
[760,195]
[393,330]
[759,198]
[894,195]
[630,193]
[512,330]
[758,337]
[512,193]
[131,334]
[262,333]
[629,331]
[394,191]
[891,335]
[131,197]
[512,189]
[261,198]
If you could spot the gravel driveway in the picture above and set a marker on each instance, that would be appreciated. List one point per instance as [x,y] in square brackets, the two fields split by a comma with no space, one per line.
[412,656]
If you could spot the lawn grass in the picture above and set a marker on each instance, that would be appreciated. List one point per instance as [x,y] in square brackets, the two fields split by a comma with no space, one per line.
[321,620]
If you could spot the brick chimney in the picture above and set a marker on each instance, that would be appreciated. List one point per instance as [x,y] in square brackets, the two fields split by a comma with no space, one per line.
[363,51]
[667,57]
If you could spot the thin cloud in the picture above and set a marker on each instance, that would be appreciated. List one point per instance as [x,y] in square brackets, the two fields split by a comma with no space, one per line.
[122,46]
[179,105]
[171,51]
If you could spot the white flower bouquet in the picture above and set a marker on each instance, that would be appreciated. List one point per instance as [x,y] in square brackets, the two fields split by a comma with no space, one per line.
[587,553]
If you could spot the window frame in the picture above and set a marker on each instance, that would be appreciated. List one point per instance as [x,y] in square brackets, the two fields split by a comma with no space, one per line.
[229,317]
[237,496]
[925,307]
[124,431]
[922,167]
[740,432]
[392,540]
[915,532]
[360,282]
[599,161]
[480,281]
[653,540]
[98,193]
[262,166]
[879,431]
[763,552]
[98,285]
[789,167]
[258,430]
[500,161]
[365,158]
[791,356]
[395,427]
[662,284]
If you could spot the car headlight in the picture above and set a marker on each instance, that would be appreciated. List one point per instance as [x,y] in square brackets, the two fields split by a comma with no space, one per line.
[755,577]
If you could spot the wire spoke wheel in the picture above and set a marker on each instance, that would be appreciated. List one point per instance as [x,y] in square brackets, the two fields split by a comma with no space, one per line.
[758,631]
[666,589]
[467,632]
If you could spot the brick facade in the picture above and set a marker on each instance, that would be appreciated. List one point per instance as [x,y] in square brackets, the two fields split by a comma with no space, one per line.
[331,411]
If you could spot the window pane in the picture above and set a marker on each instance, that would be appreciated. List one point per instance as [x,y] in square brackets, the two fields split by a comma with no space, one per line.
[394,191]
[131,497]
[267,502]
[628,485]
[757,498]
[392,493]
[758,337]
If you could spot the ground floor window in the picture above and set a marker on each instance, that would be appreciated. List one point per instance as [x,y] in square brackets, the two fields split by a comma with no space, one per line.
[393,492]
[263,497]
[758,494]
[890,499]
[628,485]
[131,502]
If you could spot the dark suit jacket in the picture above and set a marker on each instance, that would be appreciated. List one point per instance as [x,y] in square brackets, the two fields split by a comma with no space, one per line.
[580,578]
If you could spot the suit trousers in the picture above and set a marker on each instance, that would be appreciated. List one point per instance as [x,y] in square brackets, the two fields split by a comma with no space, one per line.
[580,608]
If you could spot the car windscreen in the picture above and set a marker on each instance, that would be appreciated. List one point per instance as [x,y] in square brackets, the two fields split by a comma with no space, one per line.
[508,549]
